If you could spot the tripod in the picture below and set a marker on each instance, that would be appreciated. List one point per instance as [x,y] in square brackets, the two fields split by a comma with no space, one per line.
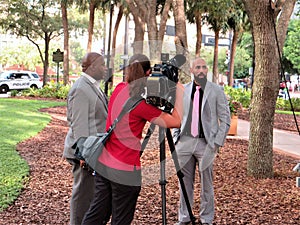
[163,132]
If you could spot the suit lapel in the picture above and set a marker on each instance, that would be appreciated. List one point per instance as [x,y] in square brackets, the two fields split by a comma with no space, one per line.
[206,93]
[101,95]
[187,101]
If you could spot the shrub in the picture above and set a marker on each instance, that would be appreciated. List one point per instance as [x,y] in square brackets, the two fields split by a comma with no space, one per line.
[282,104]
[51,90]
[238,95]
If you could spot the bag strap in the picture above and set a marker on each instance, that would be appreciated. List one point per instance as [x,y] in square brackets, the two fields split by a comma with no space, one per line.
[129,105]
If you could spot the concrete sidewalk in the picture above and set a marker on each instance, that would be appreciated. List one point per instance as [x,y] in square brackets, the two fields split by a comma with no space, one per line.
[282,140]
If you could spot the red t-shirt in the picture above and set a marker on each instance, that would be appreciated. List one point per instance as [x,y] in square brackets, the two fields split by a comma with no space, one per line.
[122,150]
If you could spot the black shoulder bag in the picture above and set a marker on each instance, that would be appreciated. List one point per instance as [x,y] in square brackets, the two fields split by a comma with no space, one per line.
[90,148]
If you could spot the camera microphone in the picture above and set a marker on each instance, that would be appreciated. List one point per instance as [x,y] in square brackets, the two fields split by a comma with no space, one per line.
[178,60]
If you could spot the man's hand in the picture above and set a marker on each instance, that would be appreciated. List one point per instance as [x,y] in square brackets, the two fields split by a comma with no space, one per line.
[217,148]
[82,164]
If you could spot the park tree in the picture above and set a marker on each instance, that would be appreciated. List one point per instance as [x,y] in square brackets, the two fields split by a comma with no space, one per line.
[20,54]
[35,20]
[238,22]
[181,37]
[121,12]
[180,26]
[193,11]
[91,6]
[268,29]
[146,13]
[216,15]
[292,44]
[65,23]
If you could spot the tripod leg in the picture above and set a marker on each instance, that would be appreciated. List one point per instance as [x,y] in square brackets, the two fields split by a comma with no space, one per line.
[180,175]
[147,137]
[163,181]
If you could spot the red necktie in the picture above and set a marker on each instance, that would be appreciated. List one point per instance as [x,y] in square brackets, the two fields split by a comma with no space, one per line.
[195,114]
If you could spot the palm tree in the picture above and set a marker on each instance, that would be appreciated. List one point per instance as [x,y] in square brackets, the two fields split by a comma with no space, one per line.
[64,15]
[238,22]
[217,13]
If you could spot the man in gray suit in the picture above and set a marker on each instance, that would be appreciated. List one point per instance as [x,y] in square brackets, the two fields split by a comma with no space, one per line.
[86,114]
[199,141]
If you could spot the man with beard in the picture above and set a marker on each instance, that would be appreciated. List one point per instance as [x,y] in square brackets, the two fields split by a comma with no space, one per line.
[203,131]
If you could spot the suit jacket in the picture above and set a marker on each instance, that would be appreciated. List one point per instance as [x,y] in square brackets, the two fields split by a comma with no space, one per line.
[215,114]
[86,113]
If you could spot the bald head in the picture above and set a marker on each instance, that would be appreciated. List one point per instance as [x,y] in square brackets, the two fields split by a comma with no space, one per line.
[199,70]
[93,64]
[88,59]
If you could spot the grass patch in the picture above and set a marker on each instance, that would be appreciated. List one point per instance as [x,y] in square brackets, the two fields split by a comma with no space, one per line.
[287,112]
[20,119]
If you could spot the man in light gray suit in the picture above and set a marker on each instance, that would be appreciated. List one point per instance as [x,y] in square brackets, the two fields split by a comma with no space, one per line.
[199,141]
[86,114]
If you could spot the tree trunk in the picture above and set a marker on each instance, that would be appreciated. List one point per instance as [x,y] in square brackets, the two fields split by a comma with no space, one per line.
[154,43]
[138,14]
[181,37]
[265,87]
[215,77]
[144,12]
[91,26]
[46,61]
[180,25]
[66,42]
[264,94]
[283,23]
[139,31]
[114,39]
[232,55]
[199,34]
[284,20]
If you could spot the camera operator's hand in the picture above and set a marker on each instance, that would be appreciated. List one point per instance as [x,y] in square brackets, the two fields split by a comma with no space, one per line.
[172,120]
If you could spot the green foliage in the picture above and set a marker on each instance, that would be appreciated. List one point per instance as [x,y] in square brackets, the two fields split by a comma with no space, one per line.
[246,43]
[242,63]
[207,53]
[218,14]
[285,105]
[14,92]
[238,95]
[222,66]
[19,54]
[244,98]
[19,120]
[77,52]
[51,90]
[34,20]
[292,44]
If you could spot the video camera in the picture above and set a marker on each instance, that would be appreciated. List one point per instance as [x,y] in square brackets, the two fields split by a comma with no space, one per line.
[161,85]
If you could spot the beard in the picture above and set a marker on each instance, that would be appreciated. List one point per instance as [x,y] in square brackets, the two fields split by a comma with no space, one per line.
[201,80]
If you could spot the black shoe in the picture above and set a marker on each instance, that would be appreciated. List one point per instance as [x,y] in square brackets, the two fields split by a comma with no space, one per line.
[182,223]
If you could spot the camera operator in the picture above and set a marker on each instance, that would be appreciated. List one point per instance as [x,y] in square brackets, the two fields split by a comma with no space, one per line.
[119,183]
[211,120]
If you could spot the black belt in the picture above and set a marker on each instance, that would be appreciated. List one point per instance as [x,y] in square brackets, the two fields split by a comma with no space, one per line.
[201,135]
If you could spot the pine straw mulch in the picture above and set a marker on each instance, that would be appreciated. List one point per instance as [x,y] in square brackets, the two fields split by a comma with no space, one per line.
[239,199]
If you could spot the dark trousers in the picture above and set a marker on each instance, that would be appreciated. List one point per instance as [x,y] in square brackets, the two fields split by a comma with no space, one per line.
[112,198]
[82,193]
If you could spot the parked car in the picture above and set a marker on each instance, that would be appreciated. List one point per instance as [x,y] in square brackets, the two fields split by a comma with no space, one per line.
[19,80]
